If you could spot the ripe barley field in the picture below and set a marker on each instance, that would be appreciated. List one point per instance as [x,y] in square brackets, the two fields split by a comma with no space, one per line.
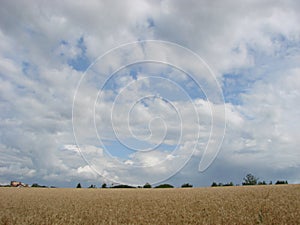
[221,205]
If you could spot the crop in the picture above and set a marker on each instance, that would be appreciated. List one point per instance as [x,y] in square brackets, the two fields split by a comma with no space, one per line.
[227,205]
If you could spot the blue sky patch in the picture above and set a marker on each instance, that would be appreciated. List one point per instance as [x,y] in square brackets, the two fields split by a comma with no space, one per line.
[81,62]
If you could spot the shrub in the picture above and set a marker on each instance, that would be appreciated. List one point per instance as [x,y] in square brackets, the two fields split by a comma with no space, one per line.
[164,186]
[187,185]
[147,185]
[122,186]
[228,184]
[262,183]
[214,184]
[281,182]
[39,186]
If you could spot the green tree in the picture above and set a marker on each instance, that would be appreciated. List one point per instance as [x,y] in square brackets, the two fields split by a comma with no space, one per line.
[228,184]
[147,185]
[214,184]
[35,185]
[250,179]
[262,183]
[281,182]
[122,186]
[104,185]
[39,186]
[187,185]
[164,186]
[78,185]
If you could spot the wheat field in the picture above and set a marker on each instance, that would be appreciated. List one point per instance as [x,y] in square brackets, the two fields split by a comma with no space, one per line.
[278,204]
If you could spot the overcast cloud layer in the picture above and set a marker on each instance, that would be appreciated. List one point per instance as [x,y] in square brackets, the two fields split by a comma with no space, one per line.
[252,47]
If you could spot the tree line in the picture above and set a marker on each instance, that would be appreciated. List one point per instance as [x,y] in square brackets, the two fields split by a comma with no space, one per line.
[147,185]
[249,179]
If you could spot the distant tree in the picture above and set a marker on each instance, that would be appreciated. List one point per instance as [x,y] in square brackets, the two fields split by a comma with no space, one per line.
[228,184]
[250,180]
[104,185]
[281,182]
[147,185]
[78,185]
[34,185]
[122,186]
[187,185]
[270,183]
[37,185]
[164,186]
[214,184]
[262,183]
[92,186]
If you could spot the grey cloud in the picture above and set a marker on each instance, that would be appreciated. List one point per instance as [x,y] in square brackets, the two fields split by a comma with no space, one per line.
[37,83]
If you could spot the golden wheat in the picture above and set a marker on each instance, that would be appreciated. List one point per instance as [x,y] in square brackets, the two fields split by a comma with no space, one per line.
[226,205]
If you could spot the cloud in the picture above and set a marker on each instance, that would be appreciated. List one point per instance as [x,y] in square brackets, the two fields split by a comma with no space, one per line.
[253,48]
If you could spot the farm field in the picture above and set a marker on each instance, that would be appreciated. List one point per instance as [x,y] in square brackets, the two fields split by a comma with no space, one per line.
[278,204]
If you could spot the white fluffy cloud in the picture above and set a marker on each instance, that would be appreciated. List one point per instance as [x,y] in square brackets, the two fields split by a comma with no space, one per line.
[252,47]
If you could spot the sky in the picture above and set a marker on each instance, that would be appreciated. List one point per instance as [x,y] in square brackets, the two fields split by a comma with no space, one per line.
[149,91]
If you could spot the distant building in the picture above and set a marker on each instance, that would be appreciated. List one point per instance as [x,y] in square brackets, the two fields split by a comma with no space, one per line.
[18,184]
